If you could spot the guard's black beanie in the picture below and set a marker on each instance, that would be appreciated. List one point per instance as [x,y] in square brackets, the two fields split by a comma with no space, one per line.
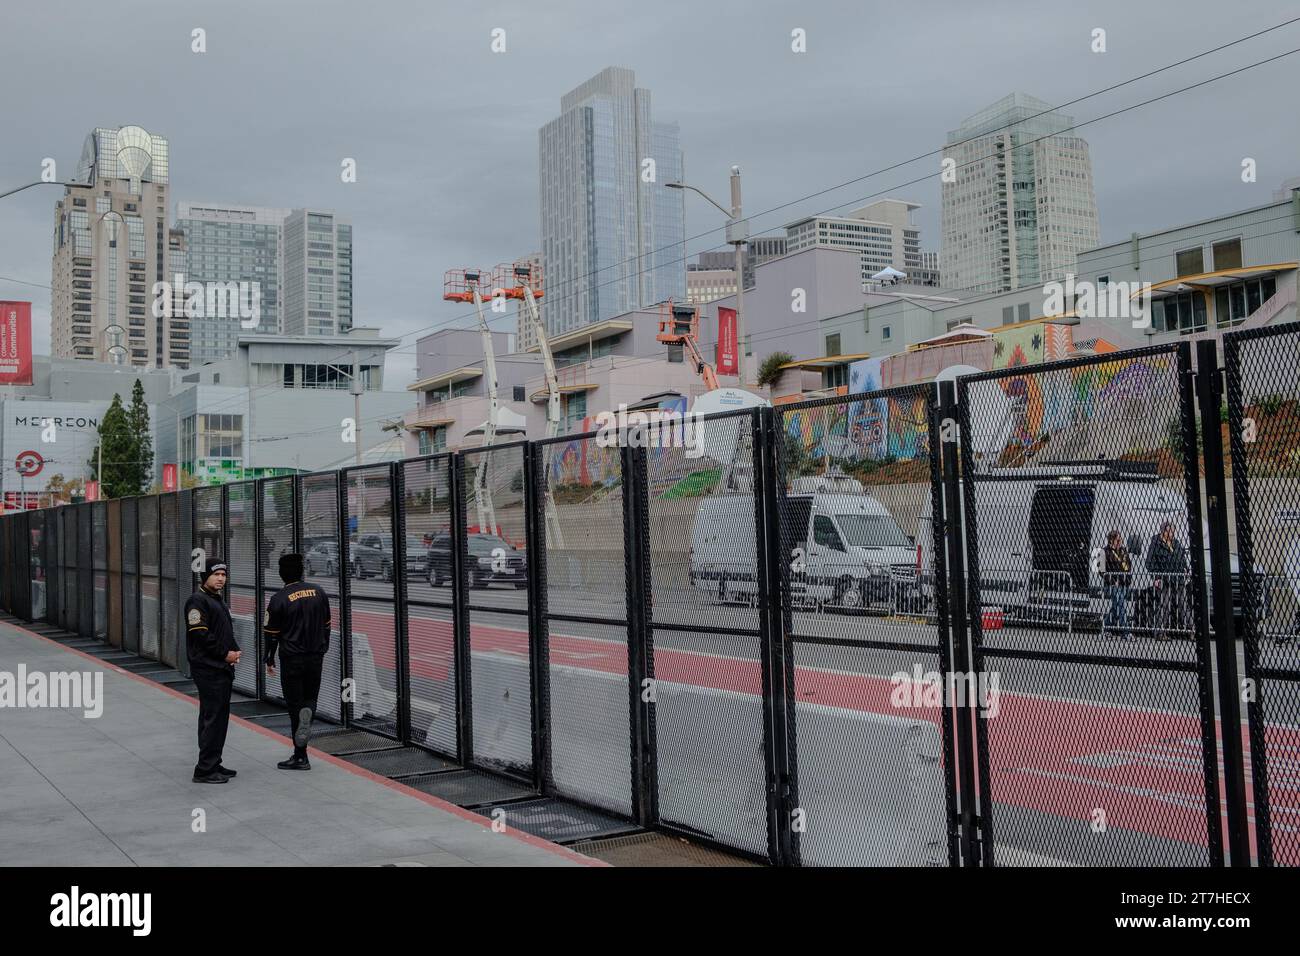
[290,568]
[210,565]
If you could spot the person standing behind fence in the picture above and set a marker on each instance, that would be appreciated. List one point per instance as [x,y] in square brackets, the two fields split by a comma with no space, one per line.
[1167,563]
[298,623]
[1117,575]
[213,653]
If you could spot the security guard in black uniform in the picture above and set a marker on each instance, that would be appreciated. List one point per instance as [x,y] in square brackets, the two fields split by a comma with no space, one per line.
[298,622]
[213,653]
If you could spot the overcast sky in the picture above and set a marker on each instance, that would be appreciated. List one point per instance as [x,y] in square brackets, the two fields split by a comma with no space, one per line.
[444,131]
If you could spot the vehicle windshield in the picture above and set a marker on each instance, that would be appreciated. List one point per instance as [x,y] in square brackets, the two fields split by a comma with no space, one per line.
[872,531]
[485,543]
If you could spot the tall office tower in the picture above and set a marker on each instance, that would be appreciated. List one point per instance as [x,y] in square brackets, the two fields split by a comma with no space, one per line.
[315,273]
[111,245]
[613,236]
[1022,204]
[235,248]
[882,233]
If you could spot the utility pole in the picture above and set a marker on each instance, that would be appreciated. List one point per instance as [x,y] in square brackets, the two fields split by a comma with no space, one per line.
[356,403]
[737,233]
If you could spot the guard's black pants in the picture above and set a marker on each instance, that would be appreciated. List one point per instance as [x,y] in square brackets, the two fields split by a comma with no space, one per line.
[214,684]
[300,679]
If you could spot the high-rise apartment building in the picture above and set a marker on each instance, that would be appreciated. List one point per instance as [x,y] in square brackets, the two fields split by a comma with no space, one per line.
[1020,204]
[237,247]
[315,294]
[883,233]
[613,236]
[111,246]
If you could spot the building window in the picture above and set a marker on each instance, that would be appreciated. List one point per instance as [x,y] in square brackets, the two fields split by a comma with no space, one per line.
[1227,254]
[425,442]
[886,332]
[1190,262]
[833,344]
[574,410]
[1008,314]
[518,393]
[835,376]
[1023,310]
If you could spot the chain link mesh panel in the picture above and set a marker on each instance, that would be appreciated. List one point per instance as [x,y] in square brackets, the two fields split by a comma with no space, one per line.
[150,589]
[39,564]
[871,740]
[169,638]
[701,500]
[277,538]
[85,573]
[431,638]
[131,574]
[1264,434]
[581,501]
[113,545]
[99,568]
[318,517]
[372,558]
[1091,672]
[239,548]
[495,569]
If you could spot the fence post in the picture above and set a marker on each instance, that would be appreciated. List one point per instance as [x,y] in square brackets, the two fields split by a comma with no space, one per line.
[460,613]
[538,629]
[1209,389]
[773,626]
[639,666]
[397,487]
[345,598]
[956,529]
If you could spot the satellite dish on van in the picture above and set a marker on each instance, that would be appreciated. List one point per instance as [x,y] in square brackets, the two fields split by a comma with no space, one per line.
[719,439]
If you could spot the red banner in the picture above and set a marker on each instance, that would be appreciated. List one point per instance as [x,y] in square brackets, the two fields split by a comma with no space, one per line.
[15,343]
[727,359]
[92,491]
[169,477]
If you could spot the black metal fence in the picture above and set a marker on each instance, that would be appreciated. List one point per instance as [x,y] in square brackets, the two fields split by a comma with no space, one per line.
[992,625]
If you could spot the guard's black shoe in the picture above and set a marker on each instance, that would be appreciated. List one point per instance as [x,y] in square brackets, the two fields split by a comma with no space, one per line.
[213,777]
[227,772]
[295,763]
[301,738]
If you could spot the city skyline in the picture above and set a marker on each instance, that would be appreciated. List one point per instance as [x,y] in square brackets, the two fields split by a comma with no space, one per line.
[475,157]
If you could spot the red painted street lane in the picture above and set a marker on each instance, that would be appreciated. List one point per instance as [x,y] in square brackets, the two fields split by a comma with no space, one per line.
[1064,758]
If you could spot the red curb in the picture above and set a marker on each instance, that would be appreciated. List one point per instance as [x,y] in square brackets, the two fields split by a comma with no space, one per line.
[431,800]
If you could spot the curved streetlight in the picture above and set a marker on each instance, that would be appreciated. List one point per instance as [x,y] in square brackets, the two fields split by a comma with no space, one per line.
[47,182]
[737,235]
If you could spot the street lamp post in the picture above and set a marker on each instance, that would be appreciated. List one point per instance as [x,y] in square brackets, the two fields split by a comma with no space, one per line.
[47,182]
[737,235]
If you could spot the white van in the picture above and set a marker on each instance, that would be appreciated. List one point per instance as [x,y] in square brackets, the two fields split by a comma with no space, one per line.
[844,547]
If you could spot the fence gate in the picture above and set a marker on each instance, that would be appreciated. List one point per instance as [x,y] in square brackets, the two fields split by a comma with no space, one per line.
[1264,431]
[1096,728]
[870,729]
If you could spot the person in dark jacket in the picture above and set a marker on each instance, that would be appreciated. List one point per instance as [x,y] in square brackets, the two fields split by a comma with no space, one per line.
[213,653]
[1167,563]
[1117,576]
[297,623]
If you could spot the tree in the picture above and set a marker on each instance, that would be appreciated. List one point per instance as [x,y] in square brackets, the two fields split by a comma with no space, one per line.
[118,453]
[770,370]
[138,417]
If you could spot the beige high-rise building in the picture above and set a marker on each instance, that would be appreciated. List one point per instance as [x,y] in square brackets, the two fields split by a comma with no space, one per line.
[1018,201]
[111,246]
[883,233]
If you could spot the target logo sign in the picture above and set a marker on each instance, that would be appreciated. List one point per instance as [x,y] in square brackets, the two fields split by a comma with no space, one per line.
[29,463]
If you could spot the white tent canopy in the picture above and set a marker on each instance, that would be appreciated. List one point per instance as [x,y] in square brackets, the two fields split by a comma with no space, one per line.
[889,272]
[959,333]
[508,423]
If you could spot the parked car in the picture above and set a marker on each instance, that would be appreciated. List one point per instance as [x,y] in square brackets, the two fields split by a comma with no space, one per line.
[322,558]
[372,556]
[490,560]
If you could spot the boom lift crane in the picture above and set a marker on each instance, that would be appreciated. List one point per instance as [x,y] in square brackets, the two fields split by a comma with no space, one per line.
[680,325]
[523,281]
[465,285]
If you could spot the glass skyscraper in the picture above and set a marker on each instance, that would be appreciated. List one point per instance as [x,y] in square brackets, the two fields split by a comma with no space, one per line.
[613,237]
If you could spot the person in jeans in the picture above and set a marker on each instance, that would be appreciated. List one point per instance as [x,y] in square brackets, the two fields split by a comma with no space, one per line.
[298,624]
[1117,575]
[1167,563]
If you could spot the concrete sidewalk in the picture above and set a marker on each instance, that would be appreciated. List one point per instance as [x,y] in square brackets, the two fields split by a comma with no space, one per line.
[116,791]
